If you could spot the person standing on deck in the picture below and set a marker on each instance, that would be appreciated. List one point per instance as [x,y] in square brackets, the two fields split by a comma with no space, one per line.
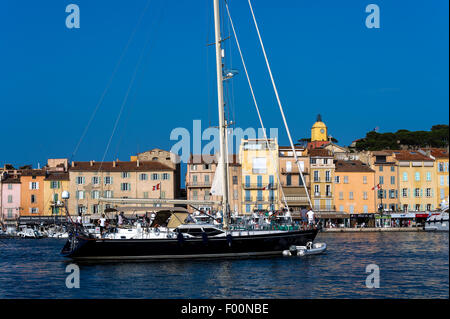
[310,215]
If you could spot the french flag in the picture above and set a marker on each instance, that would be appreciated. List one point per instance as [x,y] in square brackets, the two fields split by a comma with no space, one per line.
[157,187]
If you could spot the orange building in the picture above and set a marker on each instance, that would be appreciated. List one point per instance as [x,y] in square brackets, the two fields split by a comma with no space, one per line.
[32,192]
[353,192]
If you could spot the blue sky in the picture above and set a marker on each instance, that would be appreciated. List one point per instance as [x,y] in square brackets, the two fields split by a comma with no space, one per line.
[323,57]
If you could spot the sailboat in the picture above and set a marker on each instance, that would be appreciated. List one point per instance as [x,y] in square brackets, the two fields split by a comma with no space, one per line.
[169,237]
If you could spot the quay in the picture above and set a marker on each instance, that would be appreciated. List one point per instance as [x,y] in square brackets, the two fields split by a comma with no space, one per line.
[372,229]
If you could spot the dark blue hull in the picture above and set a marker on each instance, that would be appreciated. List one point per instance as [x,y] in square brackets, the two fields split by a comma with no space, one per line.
[82,248]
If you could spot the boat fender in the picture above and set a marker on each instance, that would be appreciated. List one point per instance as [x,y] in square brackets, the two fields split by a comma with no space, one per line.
[205,238]
[293,250]
[229,239]
[156,231]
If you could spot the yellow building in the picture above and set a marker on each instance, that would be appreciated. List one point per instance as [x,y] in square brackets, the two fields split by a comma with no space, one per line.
[319,131]
[442,179]
[260,186]
[321,179]
[54,184]
[416,181]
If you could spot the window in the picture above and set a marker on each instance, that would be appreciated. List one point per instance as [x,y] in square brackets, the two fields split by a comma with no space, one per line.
[350,195]
[235,180]
[143,177]
[206,179]
[155,176]
[316,176]
[440,167]
[381,168]
[288,180]
[417,192]
[247,181]
[247,208]
[428,192]
[341,195]
[108,180]
[108,194]
[271,195]
[381,180]
[95,180]
[10,199]
[404,192]
[34,185]
[81,209]
[125,174]
[80,194]
[352,209]
[364,179]
[235,194]
[10,186]
[288,166]
[392,180]
[313,161]
[145,194]
[165,176]
[341,208]
[10,212]
[328,190]
[195,195]
[316,190]
[193,167]
[163,194]
[345,179]
[55,184]
[392,193]
[417,176]
[325,161]
[392,168]
[80,180]
[365,209]
[441,180]
[337,179]
[125,186]
[34,210]
[33,199]
[206,166]
[328,176]
[365,195]
[95,194]
[428,176]
[405,177]
[260,197]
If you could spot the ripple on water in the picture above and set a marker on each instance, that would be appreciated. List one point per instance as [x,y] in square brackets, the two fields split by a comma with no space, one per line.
[412,265]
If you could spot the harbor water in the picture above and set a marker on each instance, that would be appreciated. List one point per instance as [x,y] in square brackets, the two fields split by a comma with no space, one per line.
[411,265]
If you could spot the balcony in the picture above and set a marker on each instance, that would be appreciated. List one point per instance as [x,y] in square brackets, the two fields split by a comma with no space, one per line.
[294,170]
[260,186]
[260,200]
[198,184]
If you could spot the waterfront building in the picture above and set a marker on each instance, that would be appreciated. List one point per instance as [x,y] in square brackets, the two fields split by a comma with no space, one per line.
[55,182]
[417,176]
[353,183]
[291,182]
[167,158]
[199,177]
[322,173]
[442,175]
[32,192]
[386,178]
[89,181]
[259,166]
[10,199]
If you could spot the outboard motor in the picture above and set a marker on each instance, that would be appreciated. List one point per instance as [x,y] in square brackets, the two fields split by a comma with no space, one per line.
[293,250]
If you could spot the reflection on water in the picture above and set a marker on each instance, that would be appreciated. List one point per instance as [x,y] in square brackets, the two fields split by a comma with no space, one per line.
[412,265]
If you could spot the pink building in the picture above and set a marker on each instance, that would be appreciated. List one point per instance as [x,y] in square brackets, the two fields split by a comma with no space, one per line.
[10,200]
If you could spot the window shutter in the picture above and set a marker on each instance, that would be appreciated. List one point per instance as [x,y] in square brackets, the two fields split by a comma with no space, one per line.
[31,183]
[408,192]
[421,192]
[37,185]
[432,192]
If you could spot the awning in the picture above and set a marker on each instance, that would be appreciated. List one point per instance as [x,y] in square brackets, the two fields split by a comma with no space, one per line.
[362,215]
[422,215]
[331,215]
[403,215]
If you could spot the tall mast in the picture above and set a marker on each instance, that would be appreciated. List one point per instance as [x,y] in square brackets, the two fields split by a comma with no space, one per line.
[223,158]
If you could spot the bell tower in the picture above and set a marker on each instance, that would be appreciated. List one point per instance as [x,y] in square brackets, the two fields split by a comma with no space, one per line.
[319,130]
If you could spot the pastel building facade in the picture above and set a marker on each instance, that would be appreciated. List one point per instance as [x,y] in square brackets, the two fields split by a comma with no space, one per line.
[10,200]
[353,185]
[417,181]
[322,173]
[259,166]
[32,192]
[90,181]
